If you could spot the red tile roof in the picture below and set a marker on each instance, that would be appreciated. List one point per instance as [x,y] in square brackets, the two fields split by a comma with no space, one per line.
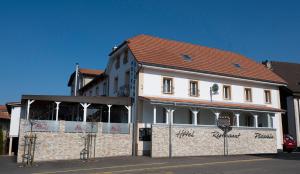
[3,113]
[168,53]
[203,103]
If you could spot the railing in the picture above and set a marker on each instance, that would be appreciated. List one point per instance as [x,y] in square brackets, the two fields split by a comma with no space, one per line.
[115,128]
[42,126]
[80,127]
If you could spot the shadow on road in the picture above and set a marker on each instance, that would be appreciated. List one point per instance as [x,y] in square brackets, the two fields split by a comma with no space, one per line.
[281,156]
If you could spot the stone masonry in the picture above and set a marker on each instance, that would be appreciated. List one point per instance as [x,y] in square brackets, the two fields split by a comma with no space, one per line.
[203,140]
[62,146]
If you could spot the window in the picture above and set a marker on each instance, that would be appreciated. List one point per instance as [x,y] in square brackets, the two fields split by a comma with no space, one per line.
[127,78]
[117,65]
[248,94]
[125,58]
[227,92]
[116,85]
[97,91]
[90,93]
[268,96]
[194,89]
[167,85]
[104,88]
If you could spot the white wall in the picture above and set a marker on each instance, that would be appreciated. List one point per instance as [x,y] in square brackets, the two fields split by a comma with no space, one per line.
[152,86]
[15,121]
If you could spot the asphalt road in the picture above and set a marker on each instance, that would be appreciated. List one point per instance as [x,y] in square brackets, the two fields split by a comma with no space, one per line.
[242,164]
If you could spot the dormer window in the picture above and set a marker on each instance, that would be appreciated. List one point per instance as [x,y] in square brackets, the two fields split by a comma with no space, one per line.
[186,57]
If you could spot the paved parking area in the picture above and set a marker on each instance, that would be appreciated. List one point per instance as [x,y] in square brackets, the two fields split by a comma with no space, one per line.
[246,164]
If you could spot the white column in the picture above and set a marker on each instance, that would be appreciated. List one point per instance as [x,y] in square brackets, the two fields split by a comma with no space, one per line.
[154,114]
[237,116]
[167,116]
[171,116]
[195,113]
[109,106]
[255,121]
[217,117]
[10,146]
[57,109]
[29,102]
[269,120]
[85,106]
[129,113]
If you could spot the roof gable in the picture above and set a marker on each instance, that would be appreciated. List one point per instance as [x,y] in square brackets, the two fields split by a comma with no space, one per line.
[168,53]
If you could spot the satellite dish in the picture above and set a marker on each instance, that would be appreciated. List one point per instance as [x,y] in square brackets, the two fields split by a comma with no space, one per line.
[215,88]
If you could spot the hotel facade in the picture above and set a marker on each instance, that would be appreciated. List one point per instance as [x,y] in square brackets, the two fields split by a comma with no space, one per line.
[162,98]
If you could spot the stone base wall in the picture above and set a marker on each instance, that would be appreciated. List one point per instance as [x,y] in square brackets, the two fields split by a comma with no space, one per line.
[200,140]
[64,146]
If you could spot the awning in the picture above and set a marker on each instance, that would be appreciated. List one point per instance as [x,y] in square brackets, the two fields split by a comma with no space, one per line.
[209,104]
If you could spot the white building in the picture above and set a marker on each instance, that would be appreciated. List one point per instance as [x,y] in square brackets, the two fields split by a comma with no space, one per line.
[171,82]
[172,94]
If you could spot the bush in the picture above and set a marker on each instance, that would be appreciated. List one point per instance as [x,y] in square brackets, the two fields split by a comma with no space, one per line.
[1,142]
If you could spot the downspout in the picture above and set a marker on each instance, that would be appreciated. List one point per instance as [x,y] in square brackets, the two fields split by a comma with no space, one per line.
[135,121]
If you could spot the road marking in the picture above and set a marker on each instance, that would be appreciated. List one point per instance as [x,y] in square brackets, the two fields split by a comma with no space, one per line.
[99,168]
[185,165]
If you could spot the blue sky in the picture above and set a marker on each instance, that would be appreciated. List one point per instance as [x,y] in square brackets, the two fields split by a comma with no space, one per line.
[40,41]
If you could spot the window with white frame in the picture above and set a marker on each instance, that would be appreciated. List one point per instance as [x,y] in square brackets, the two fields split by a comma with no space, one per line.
[248,94]
[227,92]
[167,85]
[194,89]
[268,96]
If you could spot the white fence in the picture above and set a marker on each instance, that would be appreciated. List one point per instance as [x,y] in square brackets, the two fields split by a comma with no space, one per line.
[41,126]
[81,127]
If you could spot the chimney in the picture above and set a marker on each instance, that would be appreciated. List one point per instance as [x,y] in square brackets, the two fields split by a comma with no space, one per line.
[267,64]
[114,48]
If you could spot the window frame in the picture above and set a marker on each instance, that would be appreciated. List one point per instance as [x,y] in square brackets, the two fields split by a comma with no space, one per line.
[125,57]
[245,94]
[265,97]
[117,64]
[116,85]
[230,97]
[172,85]
[197,88]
